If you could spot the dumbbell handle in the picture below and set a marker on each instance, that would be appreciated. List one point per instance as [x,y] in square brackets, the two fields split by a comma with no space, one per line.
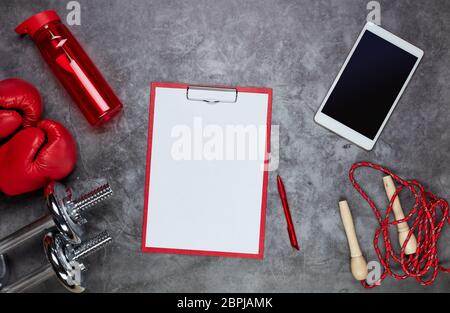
[29,231]
[34,278]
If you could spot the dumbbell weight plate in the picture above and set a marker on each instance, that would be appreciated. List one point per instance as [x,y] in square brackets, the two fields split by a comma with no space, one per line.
[65,271]
[57,197]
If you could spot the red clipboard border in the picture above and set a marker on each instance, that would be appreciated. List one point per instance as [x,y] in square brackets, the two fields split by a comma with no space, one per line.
[260,254]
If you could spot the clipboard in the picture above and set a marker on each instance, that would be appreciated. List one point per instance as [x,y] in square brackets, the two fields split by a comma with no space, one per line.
[195,204]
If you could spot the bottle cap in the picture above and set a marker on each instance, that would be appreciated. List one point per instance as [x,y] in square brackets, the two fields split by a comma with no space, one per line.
[32,24]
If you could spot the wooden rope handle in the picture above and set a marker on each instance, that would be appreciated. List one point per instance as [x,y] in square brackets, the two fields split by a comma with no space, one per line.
[358,264]
[403,228]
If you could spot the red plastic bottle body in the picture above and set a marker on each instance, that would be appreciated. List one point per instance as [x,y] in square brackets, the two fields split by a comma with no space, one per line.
[78,74]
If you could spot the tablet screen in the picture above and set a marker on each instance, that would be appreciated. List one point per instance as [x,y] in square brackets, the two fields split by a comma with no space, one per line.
[369,84]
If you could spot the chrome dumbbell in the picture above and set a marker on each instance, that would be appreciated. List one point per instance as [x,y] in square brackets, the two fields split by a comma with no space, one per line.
[4,273]
[64,261]
[65,213]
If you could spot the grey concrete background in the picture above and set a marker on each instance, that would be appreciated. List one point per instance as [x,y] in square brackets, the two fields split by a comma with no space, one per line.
[294,47]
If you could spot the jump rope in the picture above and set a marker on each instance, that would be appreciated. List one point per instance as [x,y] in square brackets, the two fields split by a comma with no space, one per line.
[427,219]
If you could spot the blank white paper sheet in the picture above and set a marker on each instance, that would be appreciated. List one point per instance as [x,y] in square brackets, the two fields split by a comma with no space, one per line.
[206,176]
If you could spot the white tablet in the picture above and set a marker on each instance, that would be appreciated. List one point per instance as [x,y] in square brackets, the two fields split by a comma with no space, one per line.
[368,86]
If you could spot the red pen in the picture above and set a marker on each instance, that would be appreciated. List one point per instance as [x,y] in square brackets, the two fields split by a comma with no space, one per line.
[287,213]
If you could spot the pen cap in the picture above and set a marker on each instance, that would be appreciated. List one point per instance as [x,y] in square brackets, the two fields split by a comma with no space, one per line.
[72,66]
[293,238]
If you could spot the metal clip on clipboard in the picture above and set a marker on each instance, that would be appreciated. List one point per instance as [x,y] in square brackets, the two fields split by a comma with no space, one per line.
[211,94]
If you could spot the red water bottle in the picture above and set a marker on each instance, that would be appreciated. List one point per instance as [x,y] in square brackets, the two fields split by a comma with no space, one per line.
[72,66]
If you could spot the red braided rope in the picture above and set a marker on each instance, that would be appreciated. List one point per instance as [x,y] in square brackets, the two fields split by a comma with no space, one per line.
[424,222]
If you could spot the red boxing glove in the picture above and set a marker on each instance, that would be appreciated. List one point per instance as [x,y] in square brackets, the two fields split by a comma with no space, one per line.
[35,156]
[20,105]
